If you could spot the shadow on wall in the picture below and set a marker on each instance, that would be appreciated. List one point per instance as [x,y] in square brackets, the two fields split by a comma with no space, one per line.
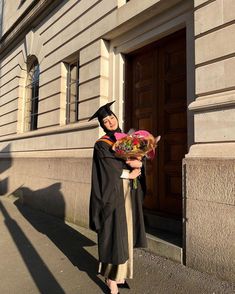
[5,164]
[49,199]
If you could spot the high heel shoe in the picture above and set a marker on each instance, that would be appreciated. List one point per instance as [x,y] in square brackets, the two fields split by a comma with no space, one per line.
[124,285]
[110,291]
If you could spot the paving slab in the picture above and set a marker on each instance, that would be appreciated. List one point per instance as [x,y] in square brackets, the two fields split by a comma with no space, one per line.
[42,254]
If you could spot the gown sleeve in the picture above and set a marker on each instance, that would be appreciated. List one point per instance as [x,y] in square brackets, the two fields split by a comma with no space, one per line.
[106,172]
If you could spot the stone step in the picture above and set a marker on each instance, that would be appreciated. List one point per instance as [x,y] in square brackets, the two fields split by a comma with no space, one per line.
[165,244]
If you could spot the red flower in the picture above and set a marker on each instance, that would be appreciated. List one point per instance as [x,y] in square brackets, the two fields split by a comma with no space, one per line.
[135,141]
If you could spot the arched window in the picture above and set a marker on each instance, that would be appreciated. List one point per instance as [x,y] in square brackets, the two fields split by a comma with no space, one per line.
[32,92]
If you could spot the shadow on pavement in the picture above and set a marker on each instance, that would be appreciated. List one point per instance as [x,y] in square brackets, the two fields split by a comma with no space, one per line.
[5,164]
[43,278]
[67,239]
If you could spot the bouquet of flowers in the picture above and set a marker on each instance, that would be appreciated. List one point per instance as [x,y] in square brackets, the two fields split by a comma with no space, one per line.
[135,145]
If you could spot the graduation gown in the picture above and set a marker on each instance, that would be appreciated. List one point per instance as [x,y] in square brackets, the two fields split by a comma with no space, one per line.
[107,207]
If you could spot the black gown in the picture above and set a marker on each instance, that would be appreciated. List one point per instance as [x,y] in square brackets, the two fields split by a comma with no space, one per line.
[107,207]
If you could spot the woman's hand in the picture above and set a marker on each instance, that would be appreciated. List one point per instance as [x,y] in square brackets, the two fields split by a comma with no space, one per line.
[134,173]
[134,163]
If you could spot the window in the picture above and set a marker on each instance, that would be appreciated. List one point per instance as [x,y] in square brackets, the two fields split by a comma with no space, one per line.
[72,94]
[32,92]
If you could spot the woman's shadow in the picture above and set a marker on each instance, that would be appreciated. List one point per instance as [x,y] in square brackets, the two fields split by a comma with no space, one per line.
[67,239]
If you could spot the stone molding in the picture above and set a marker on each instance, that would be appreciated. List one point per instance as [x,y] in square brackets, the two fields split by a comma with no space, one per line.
[65,153]
[220,100]
[212,150]
[52,130]
[34,12]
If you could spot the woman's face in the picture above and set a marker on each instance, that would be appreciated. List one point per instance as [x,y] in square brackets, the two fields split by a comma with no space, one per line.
[110,122]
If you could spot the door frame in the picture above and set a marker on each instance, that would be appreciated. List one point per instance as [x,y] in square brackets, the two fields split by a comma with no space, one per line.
[178,17]
[149,32]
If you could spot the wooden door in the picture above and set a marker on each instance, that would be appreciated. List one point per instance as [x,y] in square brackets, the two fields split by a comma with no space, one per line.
[156,101]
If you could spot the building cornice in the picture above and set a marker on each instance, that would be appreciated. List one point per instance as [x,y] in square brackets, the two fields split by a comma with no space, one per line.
[32,16]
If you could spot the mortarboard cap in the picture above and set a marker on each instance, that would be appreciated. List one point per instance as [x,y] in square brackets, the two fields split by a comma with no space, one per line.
[102,112]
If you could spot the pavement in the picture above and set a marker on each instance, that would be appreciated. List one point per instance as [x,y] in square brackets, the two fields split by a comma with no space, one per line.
[42,254]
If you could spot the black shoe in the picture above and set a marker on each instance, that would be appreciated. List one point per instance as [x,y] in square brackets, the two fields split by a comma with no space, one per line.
[124,285]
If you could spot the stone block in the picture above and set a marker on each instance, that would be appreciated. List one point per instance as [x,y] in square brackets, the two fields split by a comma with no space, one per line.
[11,74]
[4,98]
[94,88]
[210,245]
[94,69]
[216,76]
[50,103]
[89,90]
[211,180]
[215,45]
[11,106]
[10,61]
[90,52]
[11,85]
[46,76]
[213,15]
[95,50]
[229,10]
[87,108]
[208,17]
[215,125]
[49,119]
[8,129]
[90,71]
[50,88]
[10,117]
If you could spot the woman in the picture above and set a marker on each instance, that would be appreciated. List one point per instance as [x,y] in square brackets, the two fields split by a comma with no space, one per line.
[115,208]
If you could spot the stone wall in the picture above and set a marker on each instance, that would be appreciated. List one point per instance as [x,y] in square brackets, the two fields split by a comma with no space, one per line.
[57,185]
[209,215]
[209,168]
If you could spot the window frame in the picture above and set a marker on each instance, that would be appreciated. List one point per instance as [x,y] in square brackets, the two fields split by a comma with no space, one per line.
[32,96]
[69,83]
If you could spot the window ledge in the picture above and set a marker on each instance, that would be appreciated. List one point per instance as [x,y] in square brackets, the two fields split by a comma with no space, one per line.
[52,130]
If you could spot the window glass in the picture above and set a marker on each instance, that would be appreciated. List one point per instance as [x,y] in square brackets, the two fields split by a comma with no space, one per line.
[32,90]
[72,98]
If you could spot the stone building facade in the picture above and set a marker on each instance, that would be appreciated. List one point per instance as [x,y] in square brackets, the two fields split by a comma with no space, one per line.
[169,65]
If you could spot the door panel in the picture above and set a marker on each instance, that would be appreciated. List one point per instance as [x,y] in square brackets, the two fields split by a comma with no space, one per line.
[156,101]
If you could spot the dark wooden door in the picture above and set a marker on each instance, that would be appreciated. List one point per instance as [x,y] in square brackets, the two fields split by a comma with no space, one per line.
[156,101]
